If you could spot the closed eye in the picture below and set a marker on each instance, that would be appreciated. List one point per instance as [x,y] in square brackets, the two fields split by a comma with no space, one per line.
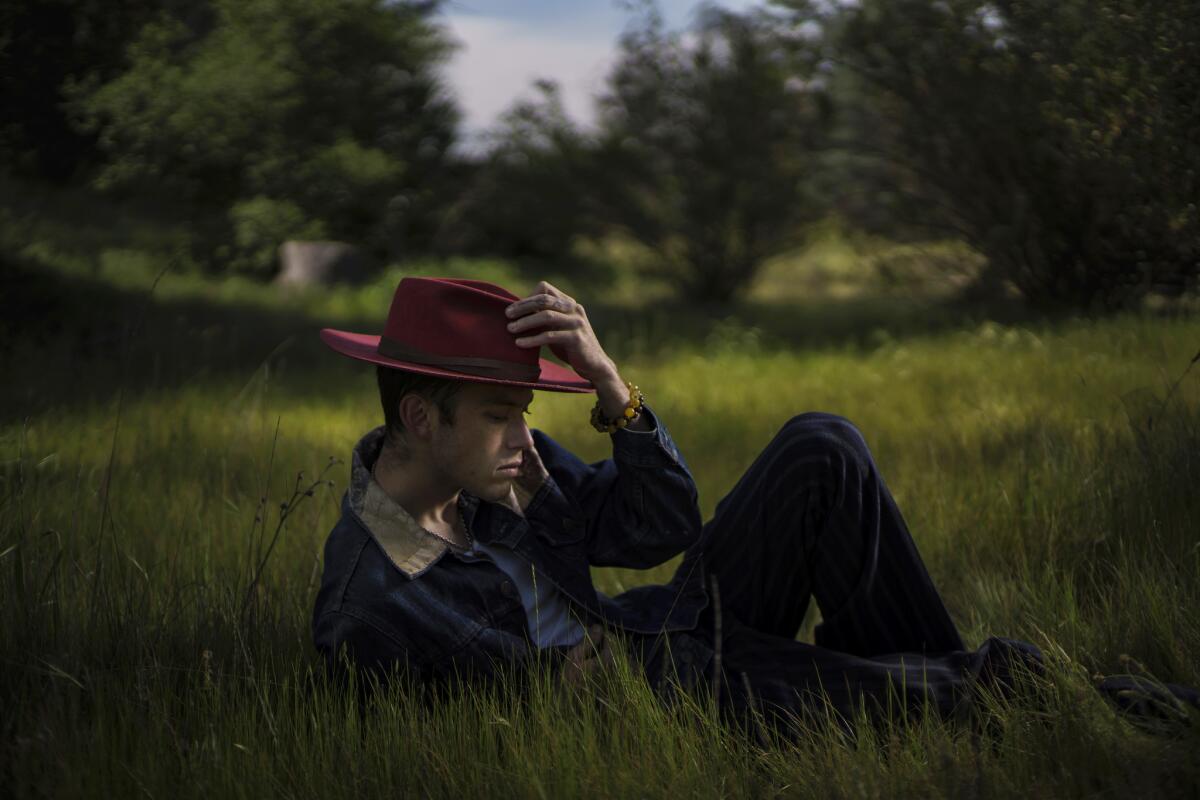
[496,418]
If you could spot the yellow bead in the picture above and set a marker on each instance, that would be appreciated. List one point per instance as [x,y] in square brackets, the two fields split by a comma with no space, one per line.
[629,412]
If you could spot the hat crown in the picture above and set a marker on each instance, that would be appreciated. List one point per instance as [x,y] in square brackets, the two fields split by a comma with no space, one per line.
[457,329]
[455,319]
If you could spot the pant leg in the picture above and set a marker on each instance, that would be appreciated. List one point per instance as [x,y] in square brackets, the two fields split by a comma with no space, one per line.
[794,685]
[812,517]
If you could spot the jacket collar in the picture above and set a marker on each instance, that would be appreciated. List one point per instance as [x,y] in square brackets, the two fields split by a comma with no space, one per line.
[411,548]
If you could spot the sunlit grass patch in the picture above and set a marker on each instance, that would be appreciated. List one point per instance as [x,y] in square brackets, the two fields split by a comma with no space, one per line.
[156,642]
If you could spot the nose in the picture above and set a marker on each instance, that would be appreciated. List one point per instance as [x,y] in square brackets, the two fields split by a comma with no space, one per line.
[519,437]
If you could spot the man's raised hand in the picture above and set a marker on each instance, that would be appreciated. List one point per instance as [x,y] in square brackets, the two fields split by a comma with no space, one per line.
[552,318]
[532,475]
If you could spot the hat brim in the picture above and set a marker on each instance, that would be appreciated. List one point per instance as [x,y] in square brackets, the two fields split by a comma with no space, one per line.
[364,347]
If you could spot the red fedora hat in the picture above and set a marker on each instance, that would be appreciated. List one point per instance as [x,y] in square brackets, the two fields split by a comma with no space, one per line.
[453,328]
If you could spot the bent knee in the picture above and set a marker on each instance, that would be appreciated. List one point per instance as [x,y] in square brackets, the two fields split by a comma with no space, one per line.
[818,430]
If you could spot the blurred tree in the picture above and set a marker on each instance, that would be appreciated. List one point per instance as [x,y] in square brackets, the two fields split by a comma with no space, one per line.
[1061,140]
[706,141]
[314,114]
[46,46]
[701,154]
[260,224]
[531,193]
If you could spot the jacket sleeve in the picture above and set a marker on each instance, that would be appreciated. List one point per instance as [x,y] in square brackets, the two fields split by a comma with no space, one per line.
[636,509]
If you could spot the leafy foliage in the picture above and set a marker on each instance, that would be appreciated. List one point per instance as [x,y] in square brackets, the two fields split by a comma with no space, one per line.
[700,156]
[259,225]
[328,106]
[46,46]
[1061,140]
[531,194]
[707,142]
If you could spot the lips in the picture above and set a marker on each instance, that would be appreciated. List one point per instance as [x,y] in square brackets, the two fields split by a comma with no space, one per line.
[514,467]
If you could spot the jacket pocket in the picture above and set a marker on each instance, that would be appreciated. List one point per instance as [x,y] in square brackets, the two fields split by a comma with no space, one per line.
[571,532]
[559,526]
[427,625]
[556,519]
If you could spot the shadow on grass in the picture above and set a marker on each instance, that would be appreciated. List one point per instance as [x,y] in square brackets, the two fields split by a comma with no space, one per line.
[69,342]
[856,323]
[66,342]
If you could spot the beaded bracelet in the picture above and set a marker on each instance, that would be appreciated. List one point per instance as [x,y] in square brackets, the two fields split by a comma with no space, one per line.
[632,409]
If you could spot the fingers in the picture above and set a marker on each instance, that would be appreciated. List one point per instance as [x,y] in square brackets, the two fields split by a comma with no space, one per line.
[582,660]
[591,656]
[545,287]
[552,319]
[531,464]
[608,656]
[530,457]
[529,480]
[542,301]
[546,318]
[575,675]
[544,338]
[593,636]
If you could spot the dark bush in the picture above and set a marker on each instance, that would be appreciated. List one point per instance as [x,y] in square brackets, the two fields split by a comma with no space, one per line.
[701,155]
[322,114]
[530,195]
[707,142]
[1061,140]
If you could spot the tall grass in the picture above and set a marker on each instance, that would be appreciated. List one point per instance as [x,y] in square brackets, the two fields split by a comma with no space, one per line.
[160,551]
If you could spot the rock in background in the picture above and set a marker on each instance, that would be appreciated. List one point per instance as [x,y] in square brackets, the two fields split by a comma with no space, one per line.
[322,264]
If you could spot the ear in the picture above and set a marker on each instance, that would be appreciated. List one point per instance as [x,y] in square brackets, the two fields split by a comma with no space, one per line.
[415,414]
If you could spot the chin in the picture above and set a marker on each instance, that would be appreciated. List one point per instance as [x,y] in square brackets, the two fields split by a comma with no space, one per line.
[496,492]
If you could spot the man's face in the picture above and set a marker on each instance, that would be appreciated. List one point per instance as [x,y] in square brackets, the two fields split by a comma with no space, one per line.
[482,451]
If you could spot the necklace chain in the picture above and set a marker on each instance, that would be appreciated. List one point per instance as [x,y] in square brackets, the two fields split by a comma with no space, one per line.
[462,524]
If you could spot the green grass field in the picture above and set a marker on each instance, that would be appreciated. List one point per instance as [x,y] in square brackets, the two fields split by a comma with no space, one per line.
[156,637]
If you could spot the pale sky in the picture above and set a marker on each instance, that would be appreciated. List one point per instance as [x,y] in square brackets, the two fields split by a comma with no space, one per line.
[508,44]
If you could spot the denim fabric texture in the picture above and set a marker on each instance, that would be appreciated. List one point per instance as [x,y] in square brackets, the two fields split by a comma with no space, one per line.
[811,519]
[392,595]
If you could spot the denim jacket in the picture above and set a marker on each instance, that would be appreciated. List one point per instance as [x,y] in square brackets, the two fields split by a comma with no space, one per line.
[394,596]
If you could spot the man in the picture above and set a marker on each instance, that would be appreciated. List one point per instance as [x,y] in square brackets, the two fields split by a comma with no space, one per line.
[466,539]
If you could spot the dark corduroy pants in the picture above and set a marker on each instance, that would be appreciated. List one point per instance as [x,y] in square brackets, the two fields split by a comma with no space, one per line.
[812,520]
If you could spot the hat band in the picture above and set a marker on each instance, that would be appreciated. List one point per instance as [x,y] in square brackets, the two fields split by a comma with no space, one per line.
[481,367]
